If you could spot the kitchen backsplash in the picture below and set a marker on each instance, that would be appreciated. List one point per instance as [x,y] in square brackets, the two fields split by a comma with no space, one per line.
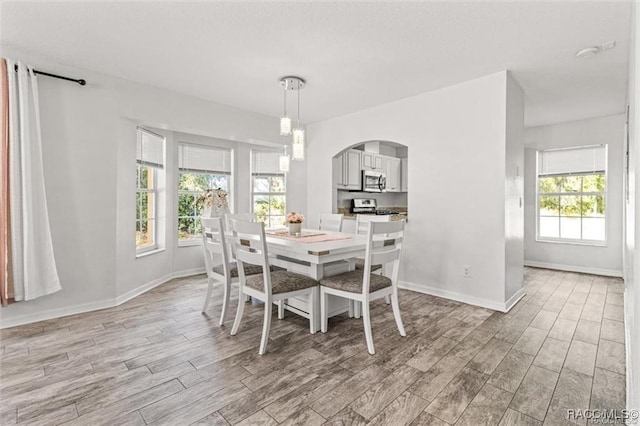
[396,209]
[384,199]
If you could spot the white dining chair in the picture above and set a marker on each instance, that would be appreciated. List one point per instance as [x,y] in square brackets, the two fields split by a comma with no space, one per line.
[362,225]
[251,250]
[218,264]
[330,222]
[384,245]
[247,217]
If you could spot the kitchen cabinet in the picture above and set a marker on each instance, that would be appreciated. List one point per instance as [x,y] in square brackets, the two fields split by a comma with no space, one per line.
[347,169]
[372,161]
[392,171]
[404,170]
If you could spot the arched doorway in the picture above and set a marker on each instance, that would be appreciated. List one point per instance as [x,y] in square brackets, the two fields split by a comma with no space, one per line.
[375,171]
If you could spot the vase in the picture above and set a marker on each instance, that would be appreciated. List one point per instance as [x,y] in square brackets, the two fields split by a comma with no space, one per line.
[295,228]
[206,212]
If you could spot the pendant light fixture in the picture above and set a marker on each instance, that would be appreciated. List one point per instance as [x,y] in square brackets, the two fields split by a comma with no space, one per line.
[284,161]
[285,120]
[298,148]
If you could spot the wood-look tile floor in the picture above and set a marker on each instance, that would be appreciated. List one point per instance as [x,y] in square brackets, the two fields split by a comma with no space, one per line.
[158,360]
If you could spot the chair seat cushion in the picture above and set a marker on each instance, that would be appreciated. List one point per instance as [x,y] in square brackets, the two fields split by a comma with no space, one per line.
[282,282]
[233,269]
[360,265]
[352,282]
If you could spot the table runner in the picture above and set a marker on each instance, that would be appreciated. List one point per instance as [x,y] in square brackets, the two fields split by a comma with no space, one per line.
[314,237]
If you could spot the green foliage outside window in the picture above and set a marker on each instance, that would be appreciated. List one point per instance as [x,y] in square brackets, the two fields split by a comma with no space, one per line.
[144,206]
[190,187]
[269,199]
[561,202]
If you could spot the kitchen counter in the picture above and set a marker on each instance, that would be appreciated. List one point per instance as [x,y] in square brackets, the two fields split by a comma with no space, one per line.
[352,216]
[400,215]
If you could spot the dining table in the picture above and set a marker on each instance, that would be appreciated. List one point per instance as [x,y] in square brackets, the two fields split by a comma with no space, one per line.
[317,254]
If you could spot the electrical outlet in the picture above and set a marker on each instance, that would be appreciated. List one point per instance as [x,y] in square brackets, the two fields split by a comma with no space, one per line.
[467,271]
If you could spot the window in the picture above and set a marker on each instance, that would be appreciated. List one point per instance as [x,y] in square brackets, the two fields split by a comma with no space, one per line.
[149,163]
[572,190]
[269,196]
[199,168]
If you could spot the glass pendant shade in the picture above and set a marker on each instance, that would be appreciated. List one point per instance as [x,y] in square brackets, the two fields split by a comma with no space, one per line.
[298,144]
[284,163]
[285,126]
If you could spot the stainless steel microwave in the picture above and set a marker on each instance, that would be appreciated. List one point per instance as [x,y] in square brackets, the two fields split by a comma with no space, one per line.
[373,181]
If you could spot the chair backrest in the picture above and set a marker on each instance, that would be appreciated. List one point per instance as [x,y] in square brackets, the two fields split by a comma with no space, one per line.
[214,243]
[384,245]
[331,222]
[243,217]
[250,246]
[362,221]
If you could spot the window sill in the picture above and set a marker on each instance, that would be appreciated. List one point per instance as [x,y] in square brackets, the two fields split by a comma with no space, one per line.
[149,253]
[574,243]
[190,243]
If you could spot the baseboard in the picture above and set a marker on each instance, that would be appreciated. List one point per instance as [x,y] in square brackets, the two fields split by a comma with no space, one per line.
[572,268]
[464,298]
[142,289]
[56,313]
[514,299]
[95,306]
[155,283]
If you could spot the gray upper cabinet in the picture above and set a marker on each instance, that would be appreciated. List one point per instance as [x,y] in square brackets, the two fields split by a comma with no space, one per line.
[348,170]
[392,171]
[404,168]
[372,161]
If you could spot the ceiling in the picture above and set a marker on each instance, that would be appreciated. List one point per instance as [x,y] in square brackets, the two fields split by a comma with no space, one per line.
[353,55]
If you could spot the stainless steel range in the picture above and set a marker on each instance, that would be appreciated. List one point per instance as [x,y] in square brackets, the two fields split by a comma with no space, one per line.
[366,206]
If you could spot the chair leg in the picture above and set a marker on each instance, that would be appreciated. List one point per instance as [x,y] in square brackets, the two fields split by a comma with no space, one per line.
[247,298]
[351,308]
[280,309]
[225,299]
[387,300]
[396,312]
[208,296]
[239,312]
[265,327]
[367,327]
[357,306]
[324,319]
[313,300]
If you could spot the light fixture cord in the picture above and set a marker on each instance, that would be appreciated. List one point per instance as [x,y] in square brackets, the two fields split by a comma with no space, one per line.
[298,105]
[285,100]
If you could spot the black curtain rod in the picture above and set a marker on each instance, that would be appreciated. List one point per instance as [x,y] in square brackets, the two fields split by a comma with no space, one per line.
[80,81]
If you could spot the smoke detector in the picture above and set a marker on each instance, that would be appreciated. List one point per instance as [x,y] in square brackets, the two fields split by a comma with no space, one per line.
[591,51]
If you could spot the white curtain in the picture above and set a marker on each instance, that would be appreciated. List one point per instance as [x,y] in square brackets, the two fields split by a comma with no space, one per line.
[34,268]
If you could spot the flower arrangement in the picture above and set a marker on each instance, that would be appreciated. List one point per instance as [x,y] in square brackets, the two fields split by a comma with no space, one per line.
[214,199]
[294,217]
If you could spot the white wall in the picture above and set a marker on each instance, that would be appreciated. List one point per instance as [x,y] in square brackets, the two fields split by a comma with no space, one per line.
[456,143]
[603,260]
[632,232]
[88,146]
[514,190]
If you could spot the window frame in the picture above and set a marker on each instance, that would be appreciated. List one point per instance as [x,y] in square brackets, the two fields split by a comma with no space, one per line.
[604,194]
[267,174]
[269,194]
[198,241]
[140,251]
